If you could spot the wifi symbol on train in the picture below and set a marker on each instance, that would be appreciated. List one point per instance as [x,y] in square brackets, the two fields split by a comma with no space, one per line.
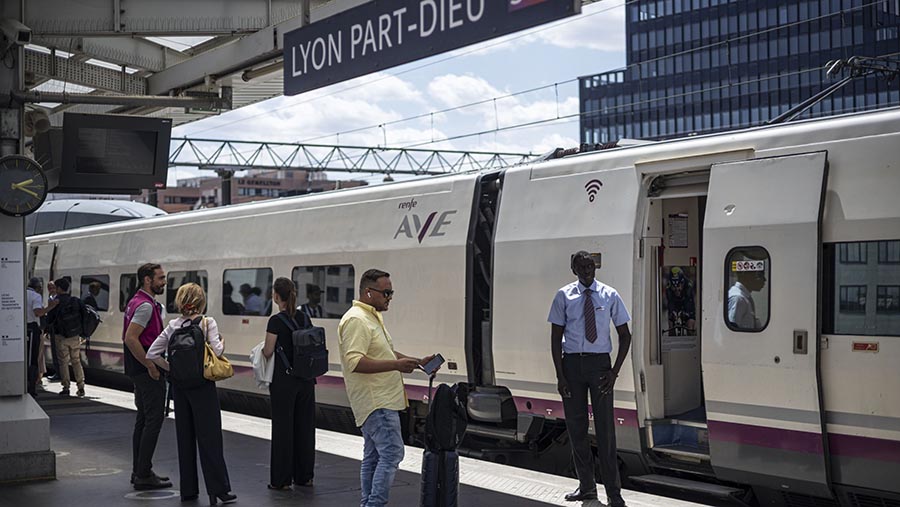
[592,187]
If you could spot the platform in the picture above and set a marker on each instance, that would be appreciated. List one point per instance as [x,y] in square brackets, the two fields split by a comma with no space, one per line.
[92,441]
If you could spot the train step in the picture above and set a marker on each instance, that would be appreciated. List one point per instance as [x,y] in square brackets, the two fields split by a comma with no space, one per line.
[705,488]
[698,453]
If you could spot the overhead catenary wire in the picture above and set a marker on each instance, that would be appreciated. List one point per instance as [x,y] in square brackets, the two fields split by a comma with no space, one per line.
[577,116]
[727,41]
[505,40]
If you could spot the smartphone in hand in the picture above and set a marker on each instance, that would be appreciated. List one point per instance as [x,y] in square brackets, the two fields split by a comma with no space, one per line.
[431,366]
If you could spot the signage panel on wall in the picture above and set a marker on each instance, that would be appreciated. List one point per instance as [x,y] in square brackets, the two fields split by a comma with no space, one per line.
[386,33]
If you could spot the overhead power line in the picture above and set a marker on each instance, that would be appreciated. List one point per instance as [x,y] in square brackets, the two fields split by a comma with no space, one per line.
[455,55]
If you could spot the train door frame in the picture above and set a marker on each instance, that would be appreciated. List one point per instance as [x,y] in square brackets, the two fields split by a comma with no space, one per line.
[773,205]
[676,437]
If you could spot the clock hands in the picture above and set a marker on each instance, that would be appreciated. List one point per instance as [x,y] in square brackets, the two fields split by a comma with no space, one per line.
[21,186]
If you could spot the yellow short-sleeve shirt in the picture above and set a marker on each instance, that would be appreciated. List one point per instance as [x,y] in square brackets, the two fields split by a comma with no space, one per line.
[362,333]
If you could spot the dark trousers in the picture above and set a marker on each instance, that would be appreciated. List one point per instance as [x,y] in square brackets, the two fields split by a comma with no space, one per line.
[198,426]
[34,348]
[293,430]
[150,399]
[584,375]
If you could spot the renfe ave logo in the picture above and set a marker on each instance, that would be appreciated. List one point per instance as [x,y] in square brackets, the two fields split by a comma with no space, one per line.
[419,227]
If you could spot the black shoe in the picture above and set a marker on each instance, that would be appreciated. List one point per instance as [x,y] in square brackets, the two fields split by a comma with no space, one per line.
[614,498]
[286,487]
[190,498]
[65,392]
[224,497]
[152,482]
[578,495]
[54,378]
[160,477]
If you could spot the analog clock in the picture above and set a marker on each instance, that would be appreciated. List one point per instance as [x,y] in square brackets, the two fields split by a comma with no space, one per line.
[23,185]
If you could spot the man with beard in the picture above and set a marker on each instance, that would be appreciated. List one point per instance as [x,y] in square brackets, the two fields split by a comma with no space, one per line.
[143,323]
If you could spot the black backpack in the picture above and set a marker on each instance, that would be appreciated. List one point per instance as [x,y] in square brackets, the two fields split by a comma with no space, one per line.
[68,322]
[185,354]
[446,423]
[90,319]
[310,357]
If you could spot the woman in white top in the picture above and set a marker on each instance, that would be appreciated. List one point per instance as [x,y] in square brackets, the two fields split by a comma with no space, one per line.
[198,418]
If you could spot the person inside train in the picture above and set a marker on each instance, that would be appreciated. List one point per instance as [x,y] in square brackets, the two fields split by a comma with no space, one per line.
[142,323]
[253,302]
[313,306]
[93,292]
[65,321]
[373,378]
[580,344]
[229,305]
[293,399]
[741,306]
[198,417]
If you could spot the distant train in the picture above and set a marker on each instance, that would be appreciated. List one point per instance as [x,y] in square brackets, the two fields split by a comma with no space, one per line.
[795,402]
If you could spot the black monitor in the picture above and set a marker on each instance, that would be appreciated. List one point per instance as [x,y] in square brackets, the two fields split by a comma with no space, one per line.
[105,153]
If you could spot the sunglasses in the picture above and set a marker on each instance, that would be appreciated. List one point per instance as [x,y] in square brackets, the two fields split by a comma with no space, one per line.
[386,292]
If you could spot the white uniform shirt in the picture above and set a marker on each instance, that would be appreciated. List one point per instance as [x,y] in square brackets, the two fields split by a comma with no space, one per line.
[33,301]
[741,308]
[567,310]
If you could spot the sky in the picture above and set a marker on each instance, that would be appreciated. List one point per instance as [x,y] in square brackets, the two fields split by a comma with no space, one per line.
[589,43]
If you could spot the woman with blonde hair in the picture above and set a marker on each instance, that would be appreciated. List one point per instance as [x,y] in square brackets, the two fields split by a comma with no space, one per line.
[198,418]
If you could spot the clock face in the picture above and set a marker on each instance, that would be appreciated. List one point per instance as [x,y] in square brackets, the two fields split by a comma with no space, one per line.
[23,185]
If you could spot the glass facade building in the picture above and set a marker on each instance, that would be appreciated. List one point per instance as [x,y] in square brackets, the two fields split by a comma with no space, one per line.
[698,66]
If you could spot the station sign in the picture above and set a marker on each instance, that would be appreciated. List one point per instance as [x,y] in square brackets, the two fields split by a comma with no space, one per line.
[385,33]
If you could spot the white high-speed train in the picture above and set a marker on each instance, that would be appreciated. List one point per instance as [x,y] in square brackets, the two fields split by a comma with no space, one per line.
[798,404]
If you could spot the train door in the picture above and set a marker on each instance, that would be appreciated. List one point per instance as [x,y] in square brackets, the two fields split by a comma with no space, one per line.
[672,239]
[40,262]
[761,322]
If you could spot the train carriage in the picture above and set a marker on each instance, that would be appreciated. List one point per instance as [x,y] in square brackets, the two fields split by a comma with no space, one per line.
[799,403]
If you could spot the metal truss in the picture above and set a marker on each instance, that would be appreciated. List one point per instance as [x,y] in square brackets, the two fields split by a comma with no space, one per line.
[243,155]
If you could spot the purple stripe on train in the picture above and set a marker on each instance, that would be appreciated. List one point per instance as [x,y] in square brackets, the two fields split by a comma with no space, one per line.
[743,434]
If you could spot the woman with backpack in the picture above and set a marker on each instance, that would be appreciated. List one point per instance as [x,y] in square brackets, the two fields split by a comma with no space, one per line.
[198,418]
[293,399]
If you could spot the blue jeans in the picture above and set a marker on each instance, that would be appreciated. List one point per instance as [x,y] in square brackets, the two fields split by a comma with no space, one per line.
[382,454]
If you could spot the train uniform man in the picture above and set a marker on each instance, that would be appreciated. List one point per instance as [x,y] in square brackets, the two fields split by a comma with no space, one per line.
[580,316]
[143,322]
[372,375]
[34,311]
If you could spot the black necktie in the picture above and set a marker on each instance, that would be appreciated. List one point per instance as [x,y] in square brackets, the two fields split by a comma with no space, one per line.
[590,320]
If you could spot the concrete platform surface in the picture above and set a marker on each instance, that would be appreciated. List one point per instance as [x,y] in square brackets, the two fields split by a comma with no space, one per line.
[92,441]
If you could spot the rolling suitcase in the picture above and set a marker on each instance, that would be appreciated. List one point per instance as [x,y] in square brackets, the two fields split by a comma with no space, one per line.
[440,479]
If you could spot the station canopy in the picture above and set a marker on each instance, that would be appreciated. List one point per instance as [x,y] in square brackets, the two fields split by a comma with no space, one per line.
[226,49]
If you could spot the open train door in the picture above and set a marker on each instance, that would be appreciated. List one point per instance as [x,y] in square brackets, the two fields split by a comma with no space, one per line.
[761,325]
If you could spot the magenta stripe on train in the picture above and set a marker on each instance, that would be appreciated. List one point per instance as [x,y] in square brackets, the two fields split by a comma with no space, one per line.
[744,434]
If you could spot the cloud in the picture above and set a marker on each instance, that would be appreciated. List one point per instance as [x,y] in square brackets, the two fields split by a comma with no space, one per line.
[452,90]
[599,27]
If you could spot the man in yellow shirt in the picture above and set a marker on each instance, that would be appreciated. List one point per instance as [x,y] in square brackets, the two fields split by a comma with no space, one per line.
[372,375]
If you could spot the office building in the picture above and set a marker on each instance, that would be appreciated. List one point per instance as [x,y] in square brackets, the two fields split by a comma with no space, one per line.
[698,66]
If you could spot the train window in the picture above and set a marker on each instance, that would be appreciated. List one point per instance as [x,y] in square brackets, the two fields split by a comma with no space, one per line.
[175,279]
[746,283]
[127,287]
[332,281]
[95,291]
[247,292]
[862,297]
